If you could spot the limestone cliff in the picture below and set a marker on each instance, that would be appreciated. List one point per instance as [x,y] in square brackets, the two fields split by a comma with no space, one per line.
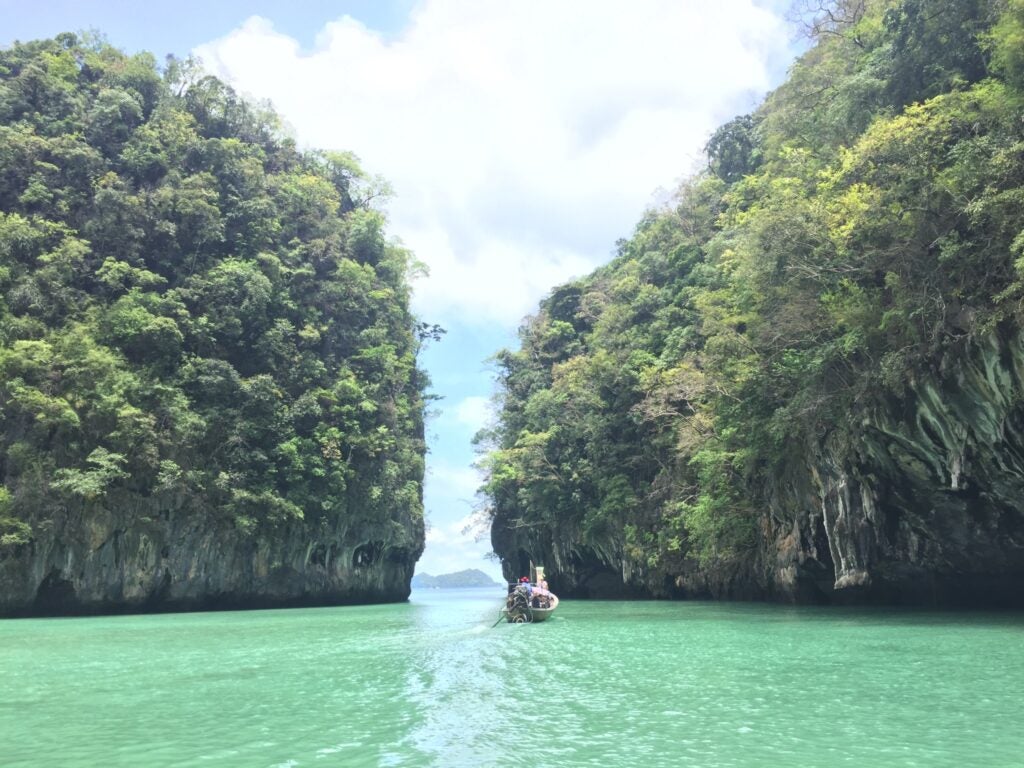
[129,555]
[917,500]
[921,500]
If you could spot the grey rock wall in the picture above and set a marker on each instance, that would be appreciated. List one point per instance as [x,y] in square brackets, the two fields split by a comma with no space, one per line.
[142,555]
[923,501]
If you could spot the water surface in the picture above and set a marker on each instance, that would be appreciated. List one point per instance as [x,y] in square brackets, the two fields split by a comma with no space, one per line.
[431,683]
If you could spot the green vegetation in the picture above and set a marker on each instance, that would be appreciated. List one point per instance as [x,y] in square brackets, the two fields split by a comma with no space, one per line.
[855,233]
[194,315]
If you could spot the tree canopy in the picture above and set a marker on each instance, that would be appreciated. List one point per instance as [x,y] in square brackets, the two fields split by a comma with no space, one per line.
[192,311]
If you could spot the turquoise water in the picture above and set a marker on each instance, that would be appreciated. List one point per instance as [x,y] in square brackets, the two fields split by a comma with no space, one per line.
[430,683]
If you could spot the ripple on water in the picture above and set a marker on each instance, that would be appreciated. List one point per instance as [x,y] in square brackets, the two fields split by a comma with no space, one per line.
[430,683]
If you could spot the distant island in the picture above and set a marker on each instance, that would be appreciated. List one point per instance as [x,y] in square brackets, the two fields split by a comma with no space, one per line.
[471,577]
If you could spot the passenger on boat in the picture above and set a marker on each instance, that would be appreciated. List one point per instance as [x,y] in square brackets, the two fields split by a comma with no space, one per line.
[541,597]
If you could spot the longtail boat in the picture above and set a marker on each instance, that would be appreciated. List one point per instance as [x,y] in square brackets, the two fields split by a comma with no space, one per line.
[529,601]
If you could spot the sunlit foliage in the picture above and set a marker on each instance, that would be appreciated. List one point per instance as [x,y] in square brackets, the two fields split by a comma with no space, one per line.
[193,312]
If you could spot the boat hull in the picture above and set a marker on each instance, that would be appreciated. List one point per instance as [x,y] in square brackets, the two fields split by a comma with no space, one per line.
[542,614]
[530,615]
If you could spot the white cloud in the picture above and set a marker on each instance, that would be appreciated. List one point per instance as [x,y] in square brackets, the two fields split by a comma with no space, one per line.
[521,138]
[474,412]
[456,539]
[451,533]
[452,484]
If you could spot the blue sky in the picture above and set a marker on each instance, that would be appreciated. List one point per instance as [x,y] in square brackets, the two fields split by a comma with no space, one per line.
[178,27]
[522,139]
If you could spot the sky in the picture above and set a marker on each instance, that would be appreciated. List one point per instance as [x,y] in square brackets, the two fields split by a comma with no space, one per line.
[521,140]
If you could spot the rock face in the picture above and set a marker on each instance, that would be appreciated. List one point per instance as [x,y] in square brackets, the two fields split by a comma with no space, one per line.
[925,503]
[139,556]
[918,500]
